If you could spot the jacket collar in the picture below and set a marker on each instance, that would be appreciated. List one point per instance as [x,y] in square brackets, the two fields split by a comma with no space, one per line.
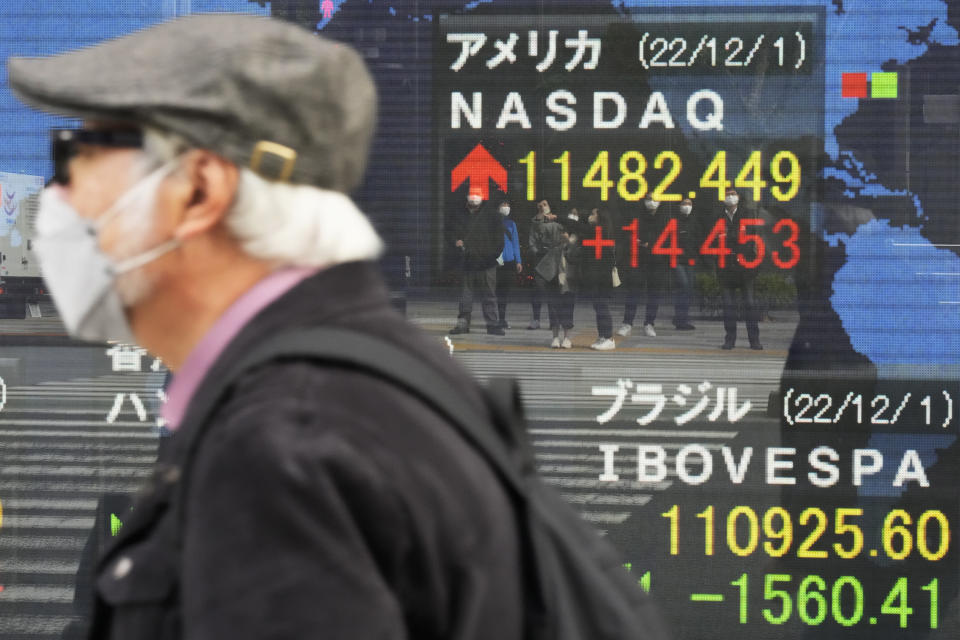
[335,293]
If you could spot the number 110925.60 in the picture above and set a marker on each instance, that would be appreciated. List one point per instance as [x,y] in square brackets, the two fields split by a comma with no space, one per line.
[900,536]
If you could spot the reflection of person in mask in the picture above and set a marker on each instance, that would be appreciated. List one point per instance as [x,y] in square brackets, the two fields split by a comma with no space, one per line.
[536,241]
[569,278]
[597,278]
[547,236]
[735,276]
[479,233]
[649,277]
[511,264]
[688,234]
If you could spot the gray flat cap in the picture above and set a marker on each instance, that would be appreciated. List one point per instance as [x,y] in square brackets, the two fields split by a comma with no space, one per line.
[255,90]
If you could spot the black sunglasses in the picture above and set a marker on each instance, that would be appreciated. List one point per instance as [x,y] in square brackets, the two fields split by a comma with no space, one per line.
[64,142]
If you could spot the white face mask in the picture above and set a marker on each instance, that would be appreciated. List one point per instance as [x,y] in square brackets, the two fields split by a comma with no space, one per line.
[81,277]
[686,209]
[504,211]
[573,216]
[474,201]
[651,205]
[732,200]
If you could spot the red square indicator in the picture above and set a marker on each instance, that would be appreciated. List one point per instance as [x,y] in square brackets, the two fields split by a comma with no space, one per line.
[854,85]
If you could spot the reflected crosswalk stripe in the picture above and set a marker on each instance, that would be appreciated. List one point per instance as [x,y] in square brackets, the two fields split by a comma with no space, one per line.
[553,381]
[58,455]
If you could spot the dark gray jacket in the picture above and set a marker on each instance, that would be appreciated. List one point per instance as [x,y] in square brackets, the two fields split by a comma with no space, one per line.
[323,502]
[546,240]
[482,235]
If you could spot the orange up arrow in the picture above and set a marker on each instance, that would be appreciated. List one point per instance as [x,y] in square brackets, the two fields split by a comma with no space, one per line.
[479,167]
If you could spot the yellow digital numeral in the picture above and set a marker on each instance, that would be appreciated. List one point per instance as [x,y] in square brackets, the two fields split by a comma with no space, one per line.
[753,531]
[531,161]
[628,175]
[842,528]
[707,515]
[922,546]
[784,532]
[805,550]
[716,175]
[601,165]
[891,530]
[660,193]
[564,162]
[743,179]
[793,177]
[673,515]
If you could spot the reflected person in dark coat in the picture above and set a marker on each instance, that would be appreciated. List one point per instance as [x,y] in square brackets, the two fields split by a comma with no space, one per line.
[549,234]
[734,276]
[479,235]
[648,278]
[688,240]
[538,249]
[597,276]
[569,277]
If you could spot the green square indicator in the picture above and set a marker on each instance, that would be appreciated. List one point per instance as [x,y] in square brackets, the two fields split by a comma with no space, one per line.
[883,85]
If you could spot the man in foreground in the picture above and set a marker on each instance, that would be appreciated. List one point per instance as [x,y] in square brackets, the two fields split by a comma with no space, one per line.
[200,212]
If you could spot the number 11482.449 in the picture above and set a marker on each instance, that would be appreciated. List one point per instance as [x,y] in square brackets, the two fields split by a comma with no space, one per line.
[632,184]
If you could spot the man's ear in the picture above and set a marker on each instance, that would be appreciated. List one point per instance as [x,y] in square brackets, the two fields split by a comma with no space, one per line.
[210,188]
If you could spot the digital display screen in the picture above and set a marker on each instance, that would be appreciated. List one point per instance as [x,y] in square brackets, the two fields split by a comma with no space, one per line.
[755,401]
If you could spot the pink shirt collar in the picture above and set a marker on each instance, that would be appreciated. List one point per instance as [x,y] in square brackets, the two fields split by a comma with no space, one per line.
[224,330]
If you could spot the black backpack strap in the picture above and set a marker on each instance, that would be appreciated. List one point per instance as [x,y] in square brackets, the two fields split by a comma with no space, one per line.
[503,398]
[343,347]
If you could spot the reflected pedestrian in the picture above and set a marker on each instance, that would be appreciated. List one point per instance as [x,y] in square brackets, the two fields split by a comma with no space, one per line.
[688,240]
[598,278]
[550,240]
[510,263]
[648,279]
[480,237]
[734,276]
